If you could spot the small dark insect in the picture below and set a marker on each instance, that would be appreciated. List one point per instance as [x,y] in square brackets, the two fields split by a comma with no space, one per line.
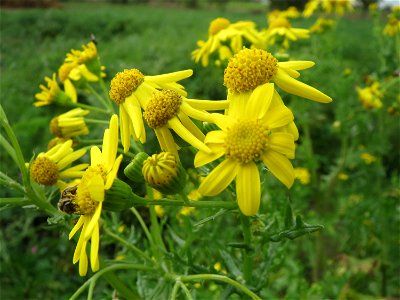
[93,38]
[66,204]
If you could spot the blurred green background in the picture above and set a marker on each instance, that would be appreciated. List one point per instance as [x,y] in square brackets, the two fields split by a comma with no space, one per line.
[356,256]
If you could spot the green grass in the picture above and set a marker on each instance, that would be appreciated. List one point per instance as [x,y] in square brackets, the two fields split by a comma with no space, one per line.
[354,257]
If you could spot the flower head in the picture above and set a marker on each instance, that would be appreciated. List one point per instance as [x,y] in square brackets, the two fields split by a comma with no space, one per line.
[370,96]
[132,91]
[280,29]
[251,68]
[70,124]
[89,196]
[392,26]
[246,138]
[52,93]
[338,7]
[227,38]
[52,167]
[303,175]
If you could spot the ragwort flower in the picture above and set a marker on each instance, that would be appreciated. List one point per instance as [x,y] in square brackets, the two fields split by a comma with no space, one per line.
[253,67]
[89,195]
[227,38]
[248,136]
[53,94]
[52,167]
[166,109]
[70,124]
[338,7]
[132,90]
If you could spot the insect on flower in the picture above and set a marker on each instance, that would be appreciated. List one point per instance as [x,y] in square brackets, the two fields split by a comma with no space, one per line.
[66,204]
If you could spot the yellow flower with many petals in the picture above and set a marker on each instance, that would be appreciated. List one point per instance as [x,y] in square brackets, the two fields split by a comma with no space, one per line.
[52,93]
[253,67]
[321,25]
[89,196]
[52,167]
[370,96]
[231,37]
[166,110]
[281,29]
[303,175]
[338,7]
[249,135]
[70,124]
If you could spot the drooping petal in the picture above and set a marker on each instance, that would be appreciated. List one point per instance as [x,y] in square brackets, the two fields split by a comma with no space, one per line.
[124,128]
[248,188]
[295,87]
[203,158]
[219,178]
[167,140]
[188,123]
[133,108]
[195,113]
[185,134]
[70,90]
[94,248]
[77,226]
[93,222]
[280,167]
[208,104]
[83,260]
[259,101]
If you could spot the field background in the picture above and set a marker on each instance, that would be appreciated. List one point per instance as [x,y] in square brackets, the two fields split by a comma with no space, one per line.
[356,256]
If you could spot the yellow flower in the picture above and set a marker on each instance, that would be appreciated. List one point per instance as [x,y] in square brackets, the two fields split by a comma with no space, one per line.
[393,25]
[166,109]
[251,134]
[370,96]
[368,158]
[338,7]
[132,90]
[52,167]
[291,13]
[52,93]
[84,56]
[70,124]
[281,28]
[253,67]
[89,196]
[303,175]
[343,176]
[322,24]
[223,33]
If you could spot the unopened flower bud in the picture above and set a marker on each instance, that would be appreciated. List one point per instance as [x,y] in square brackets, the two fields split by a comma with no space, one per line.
[134,170]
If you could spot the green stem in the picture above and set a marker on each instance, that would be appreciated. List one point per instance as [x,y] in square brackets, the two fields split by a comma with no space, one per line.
[15,201]
[5,180]
[10,150]
[91,108]
[247,261]
[220,278]
[143,224]
[128,245]
[95,121]
[109,269]
[100,98]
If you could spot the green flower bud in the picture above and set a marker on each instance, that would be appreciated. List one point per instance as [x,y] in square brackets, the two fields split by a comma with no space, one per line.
[134,170]
[118,197]
[164,173]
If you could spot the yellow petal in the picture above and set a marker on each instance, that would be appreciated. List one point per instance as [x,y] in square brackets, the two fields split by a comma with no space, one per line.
[93,222]
[185,134]
[68,159]
[208,104]
[259,101]
[248,188]
[95,156]
[203,158]
[77,226]
[238,102]
[280,167]
[70,90]
[188,123]
[219,178]
[113,173]
[295,87]
[132,107]
[215,137]
[124,128]
[167,140]
[282,143]
[83,261]
[94,248]
[195,113]
[96,187]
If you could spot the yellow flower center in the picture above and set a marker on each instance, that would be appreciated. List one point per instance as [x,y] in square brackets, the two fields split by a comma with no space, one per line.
[54,128]
[280,22]
[64,70]
[160,169]
[85,203]
[162,106]
[248,69]
[44,171]
[217,25]
[124,84]
[246,140]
